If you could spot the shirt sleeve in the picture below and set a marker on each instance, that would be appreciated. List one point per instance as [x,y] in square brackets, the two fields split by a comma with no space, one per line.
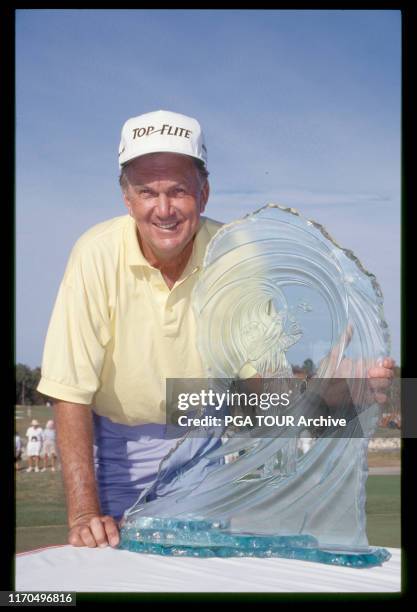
[78,332]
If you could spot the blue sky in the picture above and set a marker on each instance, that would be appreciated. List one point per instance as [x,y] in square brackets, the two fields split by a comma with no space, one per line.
[298,107]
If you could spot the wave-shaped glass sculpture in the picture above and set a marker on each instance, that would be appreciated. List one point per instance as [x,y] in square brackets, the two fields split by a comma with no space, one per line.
[276,294]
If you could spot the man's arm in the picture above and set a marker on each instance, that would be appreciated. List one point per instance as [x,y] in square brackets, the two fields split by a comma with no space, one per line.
[74,427]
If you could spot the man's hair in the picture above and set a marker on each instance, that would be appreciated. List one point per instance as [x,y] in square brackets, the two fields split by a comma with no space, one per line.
[203,172]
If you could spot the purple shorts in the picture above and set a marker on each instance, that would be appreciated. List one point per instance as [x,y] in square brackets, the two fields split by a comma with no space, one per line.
[127,458]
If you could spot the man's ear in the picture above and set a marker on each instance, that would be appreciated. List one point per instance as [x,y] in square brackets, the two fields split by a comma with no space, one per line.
[126,200]
[205,192]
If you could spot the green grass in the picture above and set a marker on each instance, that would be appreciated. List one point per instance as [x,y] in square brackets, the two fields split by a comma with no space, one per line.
[41,514]
[385,458]
[383,511]
[40,499]
[30,538]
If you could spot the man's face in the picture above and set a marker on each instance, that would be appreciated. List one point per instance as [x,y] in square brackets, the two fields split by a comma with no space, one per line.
[166,197]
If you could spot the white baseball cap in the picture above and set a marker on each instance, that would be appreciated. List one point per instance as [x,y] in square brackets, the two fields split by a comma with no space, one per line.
[161,132]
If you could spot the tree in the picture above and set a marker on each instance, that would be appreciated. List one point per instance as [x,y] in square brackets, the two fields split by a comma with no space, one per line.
[308,367]
[26,382]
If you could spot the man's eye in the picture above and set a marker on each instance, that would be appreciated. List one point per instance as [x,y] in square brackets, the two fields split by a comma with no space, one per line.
[180,191]
[147,193]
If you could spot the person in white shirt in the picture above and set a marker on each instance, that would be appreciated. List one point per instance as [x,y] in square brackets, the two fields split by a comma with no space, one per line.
[34,435]
[49,446]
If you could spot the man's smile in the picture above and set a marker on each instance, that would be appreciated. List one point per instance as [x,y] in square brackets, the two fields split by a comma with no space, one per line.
[167,227]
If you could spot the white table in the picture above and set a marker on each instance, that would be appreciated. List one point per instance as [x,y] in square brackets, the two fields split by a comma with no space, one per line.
[66,568]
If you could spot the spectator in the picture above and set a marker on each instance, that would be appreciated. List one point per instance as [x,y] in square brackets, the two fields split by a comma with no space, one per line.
[17,450]
[34,430]
[33,451]
[34,435]
[49,446]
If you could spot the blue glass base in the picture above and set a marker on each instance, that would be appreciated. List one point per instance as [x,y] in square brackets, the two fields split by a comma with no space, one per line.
[194,538]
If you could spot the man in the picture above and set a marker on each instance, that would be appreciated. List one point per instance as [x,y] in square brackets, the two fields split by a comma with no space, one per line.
[123,323]
[49,447]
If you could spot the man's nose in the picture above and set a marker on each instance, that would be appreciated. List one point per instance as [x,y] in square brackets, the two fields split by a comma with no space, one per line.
[164,208]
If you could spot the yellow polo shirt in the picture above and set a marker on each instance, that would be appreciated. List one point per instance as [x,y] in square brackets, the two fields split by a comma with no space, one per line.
[117,331]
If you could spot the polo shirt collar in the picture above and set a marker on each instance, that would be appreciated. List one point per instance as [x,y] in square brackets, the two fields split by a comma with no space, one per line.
[135,256]
[197,254]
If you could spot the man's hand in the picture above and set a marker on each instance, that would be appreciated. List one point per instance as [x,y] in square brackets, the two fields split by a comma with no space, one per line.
[379,375]
[93,530]
[88,527]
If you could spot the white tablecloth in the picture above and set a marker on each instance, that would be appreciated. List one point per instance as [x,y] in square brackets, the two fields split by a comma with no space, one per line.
[66,568]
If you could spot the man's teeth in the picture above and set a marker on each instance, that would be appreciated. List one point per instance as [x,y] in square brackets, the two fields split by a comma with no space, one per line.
[166,225]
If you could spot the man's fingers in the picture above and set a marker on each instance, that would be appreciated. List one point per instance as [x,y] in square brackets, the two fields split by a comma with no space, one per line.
[380,377]
[74,538]
[380,373]
[111,529]
[98,531]
[87,537]
[386,362]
